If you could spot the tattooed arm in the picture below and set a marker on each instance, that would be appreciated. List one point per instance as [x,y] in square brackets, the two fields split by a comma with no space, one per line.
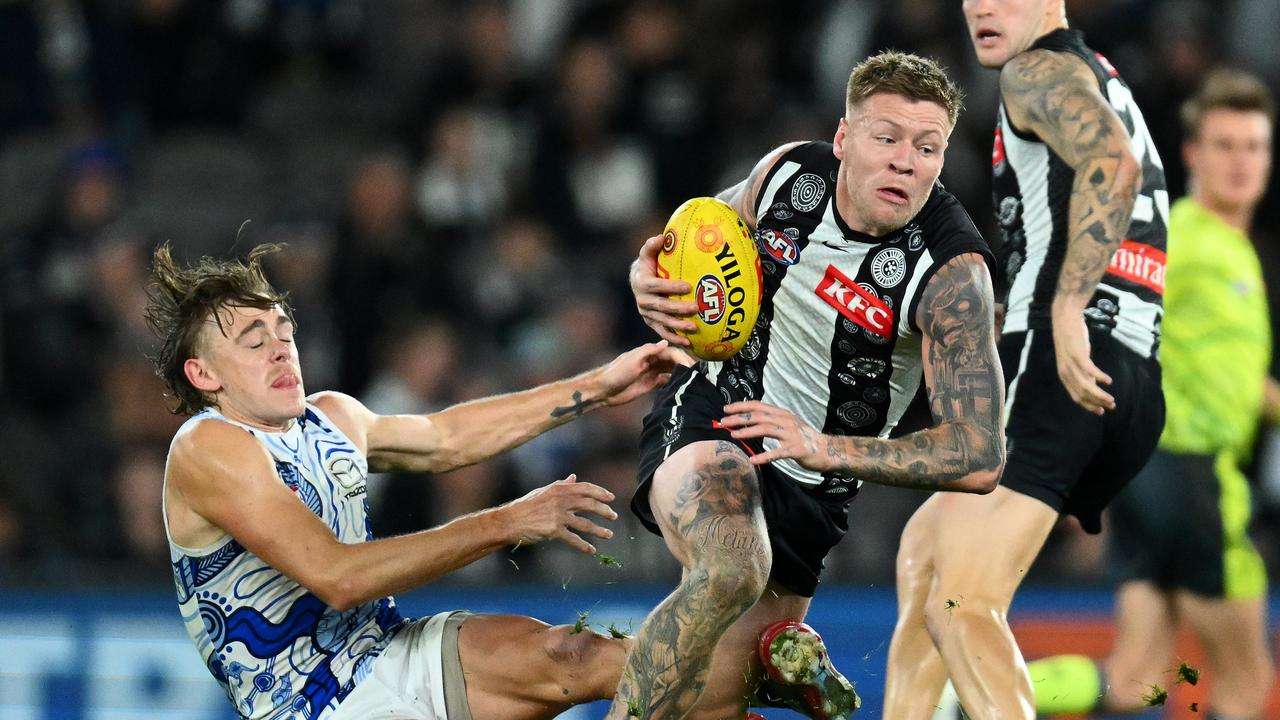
[965,450]
[1056,96]
[477,430]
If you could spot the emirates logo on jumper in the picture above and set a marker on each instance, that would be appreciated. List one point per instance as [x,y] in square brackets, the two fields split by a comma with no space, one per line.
[1138,263]
[855,302]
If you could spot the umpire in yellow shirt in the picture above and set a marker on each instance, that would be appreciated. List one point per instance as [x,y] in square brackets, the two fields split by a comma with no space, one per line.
[1179,542]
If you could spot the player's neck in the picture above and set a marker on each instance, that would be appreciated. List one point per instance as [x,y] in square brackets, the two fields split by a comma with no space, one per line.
[1239,217]
[233,413]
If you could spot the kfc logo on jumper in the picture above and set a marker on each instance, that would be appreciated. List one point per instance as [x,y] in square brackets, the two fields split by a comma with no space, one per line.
[1138,263]
[852,301]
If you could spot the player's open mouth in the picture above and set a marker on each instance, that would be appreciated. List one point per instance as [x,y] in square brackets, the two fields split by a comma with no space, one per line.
[985,37]
[893,195]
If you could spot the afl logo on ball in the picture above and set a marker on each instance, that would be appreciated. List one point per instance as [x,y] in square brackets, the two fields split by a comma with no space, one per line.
[889,267]
[711,299]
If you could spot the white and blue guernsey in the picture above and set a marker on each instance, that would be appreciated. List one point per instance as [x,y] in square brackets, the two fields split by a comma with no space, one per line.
[278,650]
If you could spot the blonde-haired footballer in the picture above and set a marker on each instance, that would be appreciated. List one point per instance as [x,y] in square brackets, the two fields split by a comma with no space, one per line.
[876,283]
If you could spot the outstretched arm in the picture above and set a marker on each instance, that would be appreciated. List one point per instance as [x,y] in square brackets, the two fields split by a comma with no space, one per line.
[1056,96]
[474,431]
[220,477]
[964,451]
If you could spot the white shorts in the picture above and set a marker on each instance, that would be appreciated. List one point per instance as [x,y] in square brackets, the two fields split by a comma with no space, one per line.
[417,677]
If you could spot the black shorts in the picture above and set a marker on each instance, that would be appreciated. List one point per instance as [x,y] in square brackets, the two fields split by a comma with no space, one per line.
[1061,454]
[803,526]
[1183,524]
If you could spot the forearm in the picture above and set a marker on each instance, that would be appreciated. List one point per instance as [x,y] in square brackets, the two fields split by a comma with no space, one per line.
[1102,200]
[955,455]
[363,572]
[475,431]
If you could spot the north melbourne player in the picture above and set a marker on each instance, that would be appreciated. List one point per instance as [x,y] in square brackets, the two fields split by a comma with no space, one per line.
[283,590]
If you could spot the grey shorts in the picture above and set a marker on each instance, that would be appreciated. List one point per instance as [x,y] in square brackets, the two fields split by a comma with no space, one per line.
[418,676]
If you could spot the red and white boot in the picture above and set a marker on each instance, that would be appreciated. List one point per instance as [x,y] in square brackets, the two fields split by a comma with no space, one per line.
[800,674]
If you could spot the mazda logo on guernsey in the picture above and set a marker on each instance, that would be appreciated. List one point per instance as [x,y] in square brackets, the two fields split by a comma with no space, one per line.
[855,303]
[711,300]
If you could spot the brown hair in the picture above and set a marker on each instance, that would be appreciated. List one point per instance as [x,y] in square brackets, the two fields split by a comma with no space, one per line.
[904,74]
[180,300]
[1229,89]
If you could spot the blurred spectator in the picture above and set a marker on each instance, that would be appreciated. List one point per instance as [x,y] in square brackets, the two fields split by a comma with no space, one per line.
[384,266]
[588,176]
[462,187]
[138,482]
[54,324]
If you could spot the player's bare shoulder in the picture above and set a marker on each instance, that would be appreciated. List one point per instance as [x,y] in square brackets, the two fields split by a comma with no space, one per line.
[349,414]
[208,445]
[744,196]
[1034,83]
[1056,96]
[207,459]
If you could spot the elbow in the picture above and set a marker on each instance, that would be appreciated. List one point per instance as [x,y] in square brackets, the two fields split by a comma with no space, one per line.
[1129,172]
[339,590]
[982,482]
[340,598]
[984,459]
[985,475]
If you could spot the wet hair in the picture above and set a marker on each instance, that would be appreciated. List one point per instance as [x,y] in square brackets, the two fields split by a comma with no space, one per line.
[1226,89]
[182,299]
[904,74]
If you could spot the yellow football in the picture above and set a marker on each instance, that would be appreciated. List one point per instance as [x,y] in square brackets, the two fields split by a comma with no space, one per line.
[708,246]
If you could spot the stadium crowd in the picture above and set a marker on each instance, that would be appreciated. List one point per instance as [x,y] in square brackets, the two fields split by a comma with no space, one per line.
[462,186]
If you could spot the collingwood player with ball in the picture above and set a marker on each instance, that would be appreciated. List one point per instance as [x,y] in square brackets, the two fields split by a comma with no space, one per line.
[873,280]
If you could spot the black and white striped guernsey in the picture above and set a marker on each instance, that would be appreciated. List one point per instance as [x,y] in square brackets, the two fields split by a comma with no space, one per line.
[836,342]
[1032,193]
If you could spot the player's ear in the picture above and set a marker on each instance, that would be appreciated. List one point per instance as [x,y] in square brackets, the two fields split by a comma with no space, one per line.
[201,375]
[837,144]
[1190,156]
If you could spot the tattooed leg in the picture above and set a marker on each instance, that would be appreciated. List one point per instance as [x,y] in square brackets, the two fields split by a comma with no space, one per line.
[706,498]
[916,674]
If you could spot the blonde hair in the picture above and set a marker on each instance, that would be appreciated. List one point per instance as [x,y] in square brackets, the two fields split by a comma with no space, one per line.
[910,76]
[1230,89]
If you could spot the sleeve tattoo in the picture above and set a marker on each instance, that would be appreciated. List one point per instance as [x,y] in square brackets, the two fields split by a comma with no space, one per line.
[1056,96]
[965,449]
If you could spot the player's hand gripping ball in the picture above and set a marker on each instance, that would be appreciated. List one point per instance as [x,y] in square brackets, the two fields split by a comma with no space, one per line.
[708,246]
